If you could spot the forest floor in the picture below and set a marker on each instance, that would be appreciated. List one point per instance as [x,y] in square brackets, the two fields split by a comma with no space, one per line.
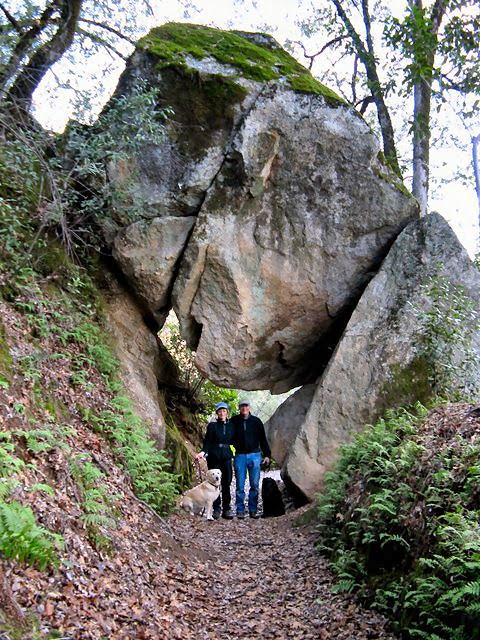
[264,579]
[141,576]
[192,579]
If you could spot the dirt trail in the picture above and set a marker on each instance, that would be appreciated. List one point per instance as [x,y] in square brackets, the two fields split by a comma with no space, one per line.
[264,579]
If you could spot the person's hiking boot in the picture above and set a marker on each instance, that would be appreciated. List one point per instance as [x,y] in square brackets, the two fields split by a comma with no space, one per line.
[227,514]
[241,515]
[253,514]
[217,513]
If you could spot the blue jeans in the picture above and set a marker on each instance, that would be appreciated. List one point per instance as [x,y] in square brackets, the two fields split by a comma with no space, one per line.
[250,462]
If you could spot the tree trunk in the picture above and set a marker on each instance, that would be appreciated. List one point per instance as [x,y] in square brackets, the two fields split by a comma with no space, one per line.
[367,56]
[476,173]
[422,95]
[21,92]
[421,142]
[25,41]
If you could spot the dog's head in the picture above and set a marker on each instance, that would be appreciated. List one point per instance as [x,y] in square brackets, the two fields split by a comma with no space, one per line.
[214,476]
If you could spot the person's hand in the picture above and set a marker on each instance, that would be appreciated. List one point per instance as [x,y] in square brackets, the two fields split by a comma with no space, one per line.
[266,461]
[200,455]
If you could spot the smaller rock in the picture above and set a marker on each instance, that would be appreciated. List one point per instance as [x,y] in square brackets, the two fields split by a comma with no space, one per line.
[283,426]
[139,357]
[147,252]
[379,362]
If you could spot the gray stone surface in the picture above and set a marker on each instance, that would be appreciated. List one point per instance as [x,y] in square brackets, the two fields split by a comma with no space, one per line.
[139,359]
[290,232]
[282,428]
[377,363]
[148,252]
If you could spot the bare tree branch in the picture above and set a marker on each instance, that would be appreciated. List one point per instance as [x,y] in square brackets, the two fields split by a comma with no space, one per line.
[353,82]
[107,27]
[104,43]
[312,56]
[364,104]
[11,19]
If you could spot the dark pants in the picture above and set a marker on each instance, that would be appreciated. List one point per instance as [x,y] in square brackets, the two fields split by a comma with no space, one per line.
[224,499]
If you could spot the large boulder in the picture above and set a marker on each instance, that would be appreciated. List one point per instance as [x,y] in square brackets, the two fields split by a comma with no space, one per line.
[414,333]
[294,207]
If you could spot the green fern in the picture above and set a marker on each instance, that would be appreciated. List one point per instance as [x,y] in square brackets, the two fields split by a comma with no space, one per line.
[23,540]
[378,549]
[97,505]
[144,462]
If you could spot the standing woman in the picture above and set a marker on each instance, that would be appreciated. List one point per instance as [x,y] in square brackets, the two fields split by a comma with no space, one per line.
[216,449]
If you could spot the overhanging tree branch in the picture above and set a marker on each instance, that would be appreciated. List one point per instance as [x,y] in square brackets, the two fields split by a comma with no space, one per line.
[97,39]
[25,42]
[11,19]
[107,27]
[46,55]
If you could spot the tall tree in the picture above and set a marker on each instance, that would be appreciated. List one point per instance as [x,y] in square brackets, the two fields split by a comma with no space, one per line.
[366,53]
[434,47]
[422,28]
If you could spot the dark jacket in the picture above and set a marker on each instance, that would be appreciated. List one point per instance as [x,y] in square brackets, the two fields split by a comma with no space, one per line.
[217,441]
[249,435]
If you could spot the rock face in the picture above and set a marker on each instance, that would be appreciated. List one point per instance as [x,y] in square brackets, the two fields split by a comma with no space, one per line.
[147,253]
[383,358]
[282,428]
[140,364]
[294,210]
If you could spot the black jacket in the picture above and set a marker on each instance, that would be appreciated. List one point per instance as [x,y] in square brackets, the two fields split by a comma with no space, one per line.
[217,441]
[249,435]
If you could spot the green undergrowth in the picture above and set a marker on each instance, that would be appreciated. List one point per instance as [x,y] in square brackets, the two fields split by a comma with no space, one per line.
[147,466]
[179,454]
[58,312]
[21,537]
[399,519]
[99,511]
[261,61]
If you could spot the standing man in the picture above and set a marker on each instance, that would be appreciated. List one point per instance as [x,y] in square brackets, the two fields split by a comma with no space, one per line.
[251,447]
[216,449]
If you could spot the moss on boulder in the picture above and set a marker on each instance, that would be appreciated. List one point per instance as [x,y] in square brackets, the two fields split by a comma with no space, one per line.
[254,56]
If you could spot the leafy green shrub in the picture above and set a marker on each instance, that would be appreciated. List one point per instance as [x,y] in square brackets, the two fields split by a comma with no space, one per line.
[399,519]
[63,182]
